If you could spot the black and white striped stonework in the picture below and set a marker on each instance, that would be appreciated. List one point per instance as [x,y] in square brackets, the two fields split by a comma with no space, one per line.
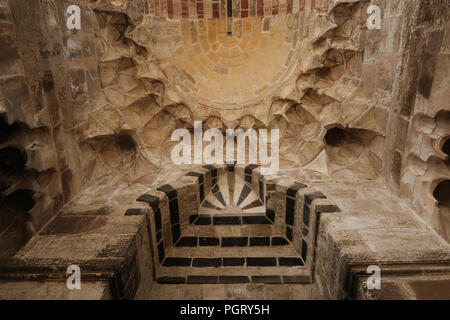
[237,234]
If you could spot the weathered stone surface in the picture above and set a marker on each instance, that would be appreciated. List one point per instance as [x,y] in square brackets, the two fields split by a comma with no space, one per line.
[364,120]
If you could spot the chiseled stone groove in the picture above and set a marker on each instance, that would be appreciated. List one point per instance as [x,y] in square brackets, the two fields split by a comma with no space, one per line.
[224,279]
[205,219]
[215,262]
[193,241]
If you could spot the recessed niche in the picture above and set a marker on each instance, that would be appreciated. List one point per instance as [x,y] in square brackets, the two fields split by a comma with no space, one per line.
[5,130]
[126,142]
[12,161]
[335,136]
[446,146]
[265,25]
[20,200]
[442,193]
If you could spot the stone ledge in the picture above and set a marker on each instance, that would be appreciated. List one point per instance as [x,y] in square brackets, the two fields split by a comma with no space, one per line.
[395,276]
[366,232]
[113,253]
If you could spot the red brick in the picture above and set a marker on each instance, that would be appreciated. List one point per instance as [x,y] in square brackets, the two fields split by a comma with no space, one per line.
[289,6]
[260,8]
[170,8]
[200,11]
[215,10]
[184,9]
[274,7]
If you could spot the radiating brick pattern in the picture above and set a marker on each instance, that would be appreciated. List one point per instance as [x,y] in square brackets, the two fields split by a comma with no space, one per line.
[221,60]
[232,197]
[199,9]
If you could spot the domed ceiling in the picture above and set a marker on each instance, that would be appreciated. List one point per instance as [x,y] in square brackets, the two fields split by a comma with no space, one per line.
[293,66]
[208,65]
[234,55]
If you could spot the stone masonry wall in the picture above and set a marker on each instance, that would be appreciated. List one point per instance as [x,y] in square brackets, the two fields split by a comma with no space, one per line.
[48,76]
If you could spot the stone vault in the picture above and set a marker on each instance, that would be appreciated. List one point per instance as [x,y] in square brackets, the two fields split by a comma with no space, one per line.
[86,118]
